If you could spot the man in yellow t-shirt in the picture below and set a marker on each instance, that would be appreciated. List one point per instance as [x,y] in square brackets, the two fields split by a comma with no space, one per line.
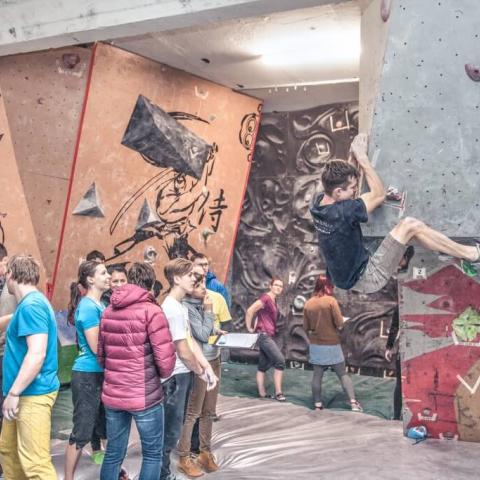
[220,309]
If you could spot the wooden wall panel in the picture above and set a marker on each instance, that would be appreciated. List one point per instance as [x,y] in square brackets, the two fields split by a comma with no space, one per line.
[184,210]
[16,229]
[43,94]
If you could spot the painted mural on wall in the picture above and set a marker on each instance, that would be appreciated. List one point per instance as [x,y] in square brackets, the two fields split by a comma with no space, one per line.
[161,169]
[440,349]
[276,235]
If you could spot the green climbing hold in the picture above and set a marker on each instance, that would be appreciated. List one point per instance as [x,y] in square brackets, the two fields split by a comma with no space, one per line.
[468,268]
[467,325]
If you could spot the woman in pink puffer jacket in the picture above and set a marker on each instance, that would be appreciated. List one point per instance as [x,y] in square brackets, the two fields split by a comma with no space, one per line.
[136,350]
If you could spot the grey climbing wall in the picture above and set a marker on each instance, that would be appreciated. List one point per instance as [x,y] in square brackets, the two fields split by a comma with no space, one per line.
[425,138]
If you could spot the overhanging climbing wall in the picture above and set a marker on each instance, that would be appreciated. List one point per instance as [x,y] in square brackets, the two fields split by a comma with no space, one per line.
[424,138]
[163,159]
[440,348]
[16,229]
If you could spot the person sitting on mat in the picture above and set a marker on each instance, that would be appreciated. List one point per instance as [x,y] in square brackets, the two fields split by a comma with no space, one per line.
[322,320]
[337,215]
[266,310]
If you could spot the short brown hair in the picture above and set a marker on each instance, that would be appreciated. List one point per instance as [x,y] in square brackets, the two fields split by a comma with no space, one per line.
[142,274]
[338,173]
[178,267]
[25,269]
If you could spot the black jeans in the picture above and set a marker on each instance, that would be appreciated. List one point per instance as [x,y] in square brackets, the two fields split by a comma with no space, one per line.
[176,391]
[270,354]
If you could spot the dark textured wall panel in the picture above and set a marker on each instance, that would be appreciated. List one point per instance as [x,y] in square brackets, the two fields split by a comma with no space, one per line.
[276,235]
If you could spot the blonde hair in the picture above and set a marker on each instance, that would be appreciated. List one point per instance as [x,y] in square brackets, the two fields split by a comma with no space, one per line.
[178,267]
[25,269]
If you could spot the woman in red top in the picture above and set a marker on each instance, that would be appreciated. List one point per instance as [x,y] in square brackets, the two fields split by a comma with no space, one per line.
[266,310]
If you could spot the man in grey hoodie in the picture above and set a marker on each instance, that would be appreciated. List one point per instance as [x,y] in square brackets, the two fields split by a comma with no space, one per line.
[201,403]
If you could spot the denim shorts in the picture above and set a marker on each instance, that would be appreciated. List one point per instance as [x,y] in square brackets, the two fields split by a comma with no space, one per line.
[88,411]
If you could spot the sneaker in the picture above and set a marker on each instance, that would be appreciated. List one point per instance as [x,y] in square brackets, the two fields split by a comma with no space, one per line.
[188,466]
[206,460]
[97,457]
[356,407]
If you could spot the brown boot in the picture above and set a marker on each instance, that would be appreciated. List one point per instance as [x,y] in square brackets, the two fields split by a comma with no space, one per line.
[187,466]
[207,461]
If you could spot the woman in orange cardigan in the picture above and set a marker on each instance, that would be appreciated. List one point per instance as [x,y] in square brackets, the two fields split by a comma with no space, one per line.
[322,320]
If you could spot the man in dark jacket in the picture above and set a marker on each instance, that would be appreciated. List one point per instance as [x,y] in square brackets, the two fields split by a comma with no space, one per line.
[135,349]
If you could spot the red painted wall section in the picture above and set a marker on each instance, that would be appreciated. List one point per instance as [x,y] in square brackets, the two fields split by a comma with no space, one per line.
[440,368]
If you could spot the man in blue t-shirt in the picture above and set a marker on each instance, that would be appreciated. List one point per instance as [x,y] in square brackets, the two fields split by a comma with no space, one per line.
[30,381]
[337,216]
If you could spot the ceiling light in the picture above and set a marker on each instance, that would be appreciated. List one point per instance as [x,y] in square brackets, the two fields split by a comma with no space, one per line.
[313,48]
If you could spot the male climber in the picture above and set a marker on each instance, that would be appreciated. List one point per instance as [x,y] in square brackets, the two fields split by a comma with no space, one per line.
[337,216]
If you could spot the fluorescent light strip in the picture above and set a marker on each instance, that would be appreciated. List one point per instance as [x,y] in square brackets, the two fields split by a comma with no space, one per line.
[303,84]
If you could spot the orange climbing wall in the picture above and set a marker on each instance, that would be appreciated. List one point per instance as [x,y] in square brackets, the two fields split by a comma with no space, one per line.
[43,94]
[183,210]
[16,229]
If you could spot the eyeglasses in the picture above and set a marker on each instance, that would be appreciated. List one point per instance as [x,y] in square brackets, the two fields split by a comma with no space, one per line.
[279,285]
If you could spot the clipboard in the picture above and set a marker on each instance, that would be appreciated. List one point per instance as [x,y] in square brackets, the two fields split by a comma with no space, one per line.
[236,340]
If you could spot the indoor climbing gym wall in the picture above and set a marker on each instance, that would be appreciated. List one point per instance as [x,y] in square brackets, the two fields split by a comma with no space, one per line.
[421,113]
[424,139]
[43,94]
[276,234]
[16,229]
[160,170]
[440,345]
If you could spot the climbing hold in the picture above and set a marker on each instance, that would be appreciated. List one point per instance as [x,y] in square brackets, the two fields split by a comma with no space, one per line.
[147,216]
[473,72]
[89,205]
[70,60]
[385,9]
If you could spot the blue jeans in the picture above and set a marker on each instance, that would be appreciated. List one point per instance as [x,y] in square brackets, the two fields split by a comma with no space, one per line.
[176,391]
[150,428]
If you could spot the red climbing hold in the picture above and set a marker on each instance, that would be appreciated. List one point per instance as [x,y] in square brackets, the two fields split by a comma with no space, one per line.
[473,72]
[385,9]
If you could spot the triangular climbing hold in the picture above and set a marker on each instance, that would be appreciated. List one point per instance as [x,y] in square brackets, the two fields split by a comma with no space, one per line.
[146,216]
[89,205]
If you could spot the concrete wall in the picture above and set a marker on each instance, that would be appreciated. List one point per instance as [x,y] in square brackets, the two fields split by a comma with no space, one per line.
[424,133]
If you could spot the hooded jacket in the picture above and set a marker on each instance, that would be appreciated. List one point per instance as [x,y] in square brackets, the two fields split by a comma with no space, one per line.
[135,349]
